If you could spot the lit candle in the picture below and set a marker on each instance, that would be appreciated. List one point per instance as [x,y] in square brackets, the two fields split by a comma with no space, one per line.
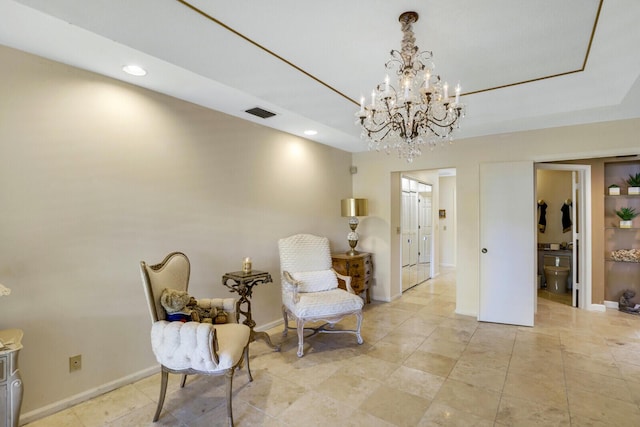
[362,105]
[386,85]
[427,77]
[406,90]
[246,265]
[446,91]
[373,98]
[458,89]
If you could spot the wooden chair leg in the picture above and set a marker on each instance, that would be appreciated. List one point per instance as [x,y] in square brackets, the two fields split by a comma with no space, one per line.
[184,381]
[164,380]
[246,361]
[229,381]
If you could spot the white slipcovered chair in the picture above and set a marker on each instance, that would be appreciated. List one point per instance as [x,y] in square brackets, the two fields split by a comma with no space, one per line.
[310,289]
[192,347]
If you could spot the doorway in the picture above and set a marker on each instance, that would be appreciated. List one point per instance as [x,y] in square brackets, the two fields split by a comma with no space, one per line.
[417,231]
[565,189]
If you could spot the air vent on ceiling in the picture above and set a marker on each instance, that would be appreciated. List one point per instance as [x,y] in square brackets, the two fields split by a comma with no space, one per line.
[257,111]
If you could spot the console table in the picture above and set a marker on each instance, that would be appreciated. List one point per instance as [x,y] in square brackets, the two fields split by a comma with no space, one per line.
[359,267]
[242,283]
[10,380]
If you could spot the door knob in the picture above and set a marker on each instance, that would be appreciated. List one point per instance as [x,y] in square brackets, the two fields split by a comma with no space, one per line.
[484,250]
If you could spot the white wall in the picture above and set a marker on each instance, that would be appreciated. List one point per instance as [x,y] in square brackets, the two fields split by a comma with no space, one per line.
[96,175]
[575,142]
[447,225]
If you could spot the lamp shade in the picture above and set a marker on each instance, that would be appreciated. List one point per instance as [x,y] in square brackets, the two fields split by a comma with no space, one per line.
[355,207]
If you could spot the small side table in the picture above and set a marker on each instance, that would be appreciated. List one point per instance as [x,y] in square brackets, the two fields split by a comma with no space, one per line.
[359,267]
[242,283]
[11,388]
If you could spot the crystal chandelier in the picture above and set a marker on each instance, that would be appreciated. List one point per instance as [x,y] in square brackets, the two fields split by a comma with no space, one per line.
[418,111]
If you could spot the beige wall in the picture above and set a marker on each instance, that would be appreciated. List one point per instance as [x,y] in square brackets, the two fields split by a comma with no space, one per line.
[447,225]
[575,142]
[96,175]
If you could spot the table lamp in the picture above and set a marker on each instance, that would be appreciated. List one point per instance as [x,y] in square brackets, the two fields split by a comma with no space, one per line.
[354,208]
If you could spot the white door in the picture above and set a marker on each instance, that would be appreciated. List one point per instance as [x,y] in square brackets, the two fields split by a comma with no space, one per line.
[425,221]
[507,239]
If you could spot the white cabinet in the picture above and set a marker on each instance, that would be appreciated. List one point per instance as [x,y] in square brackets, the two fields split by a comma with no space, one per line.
[10,380]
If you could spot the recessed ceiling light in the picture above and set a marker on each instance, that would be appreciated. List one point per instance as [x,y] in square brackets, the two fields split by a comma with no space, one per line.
[134,70]
[310,132]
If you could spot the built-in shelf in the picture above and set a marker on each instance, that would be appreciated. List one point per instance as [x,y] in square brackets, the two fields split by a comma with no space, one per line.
[618,228]
[619,275]
[625,262]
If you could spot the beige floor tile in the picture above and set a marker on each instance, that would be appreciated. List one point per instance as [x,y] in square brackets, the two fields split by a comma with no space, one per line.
[415,381]
[66,418]
[514,411]
[452,334]
[597,407]
[360,418]
[368,367]
[315,409]
[443,347]
[347,388]
[587,363]
[396,406]
[496,343]
[484,356]
[394,353]
[143,417]
[429,362]
[464,397]
[629,371]
[270,394]
[446,416]
[615,388]
[479,376]
[535,386]
[110,406]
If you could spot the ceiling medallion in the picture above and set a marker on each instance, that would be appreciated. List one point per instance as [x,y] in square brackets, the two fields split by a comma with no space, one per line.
[415,113]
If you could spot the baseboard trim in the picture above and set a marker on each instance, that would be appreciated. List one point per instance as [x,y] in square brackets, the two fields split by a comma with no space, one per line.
[269,325]
[60,405]
[611,304]
[598,307]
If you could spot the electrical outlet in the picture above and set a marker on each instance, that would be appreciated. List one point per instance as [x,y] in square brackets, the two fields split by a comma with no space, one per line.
[75,363]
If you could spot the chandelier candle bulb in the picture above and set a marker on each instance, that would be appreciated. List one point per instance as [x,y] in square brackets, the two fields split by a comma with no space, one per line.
[446,91]
[362,106]
[458,89]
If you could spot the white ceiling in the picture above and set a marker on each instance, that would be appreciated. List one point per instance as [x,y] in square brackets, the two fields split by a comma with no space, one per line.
[311,61]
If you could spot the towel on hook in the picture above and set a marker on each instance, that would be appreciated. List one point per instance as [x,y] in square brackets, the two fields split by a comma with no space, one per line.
[542,222]
[566,216]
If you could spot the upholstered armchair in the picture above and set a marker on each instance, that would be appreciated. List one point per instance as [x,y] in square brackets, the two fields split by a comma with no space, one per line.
[191,347]
[310,289]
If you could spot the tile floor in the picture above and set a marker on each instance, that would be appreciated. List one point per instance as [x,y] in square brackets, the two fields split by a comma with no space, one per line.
[566,298]
[420,365]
